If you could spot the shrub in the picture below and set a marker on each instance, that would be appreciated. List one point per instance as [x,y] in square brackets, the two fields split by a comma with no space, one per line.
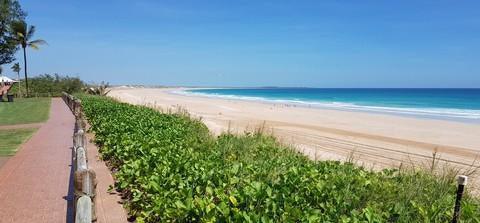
[47,85]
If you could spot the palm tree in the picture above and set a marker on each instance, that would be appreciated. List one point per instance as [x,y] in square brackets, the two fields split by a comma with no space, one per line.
[16,68]
[1,83]
[23,35]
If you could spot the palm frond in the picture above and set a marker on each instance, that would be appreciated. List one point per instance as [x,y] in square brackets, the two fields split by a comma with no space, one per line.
[20,36]
[35,44]
[101,89]
[38,42]
[30,32]
[19,27]
[16,67]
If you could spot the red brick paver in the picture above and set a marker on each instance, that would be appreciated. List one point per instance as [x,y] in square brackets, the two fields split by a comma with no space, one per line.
[35,184]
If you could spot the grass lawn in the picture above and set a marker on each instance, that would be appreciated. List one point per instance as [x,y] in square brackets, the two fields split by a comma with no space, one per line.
[24,111]
[12,139]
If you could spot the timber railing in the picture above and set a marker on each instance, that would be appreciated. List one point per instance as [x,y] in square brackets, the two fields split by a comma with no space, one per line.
[84,178]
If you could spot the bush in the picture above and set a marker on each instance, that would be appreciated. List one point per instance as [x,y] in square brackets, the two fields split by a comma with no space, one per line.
[171,169]
[47,85]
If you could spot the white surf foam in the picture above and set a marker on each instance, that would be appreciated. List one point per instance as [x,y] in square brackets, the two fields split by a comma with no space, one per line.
[468,114]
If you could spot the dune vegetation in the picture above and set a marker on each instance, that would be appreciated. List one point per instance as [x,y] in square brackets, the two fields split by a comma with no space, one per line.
[169,168]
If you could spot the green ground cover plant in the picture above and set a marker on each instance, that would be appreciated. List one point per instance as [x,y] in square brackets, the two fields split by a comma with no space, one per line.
[24,111]
[171,169]
[11,140]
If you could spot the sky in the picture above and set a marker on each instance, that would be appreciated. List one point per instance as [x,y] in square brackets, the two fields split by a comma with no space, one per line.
[259,43]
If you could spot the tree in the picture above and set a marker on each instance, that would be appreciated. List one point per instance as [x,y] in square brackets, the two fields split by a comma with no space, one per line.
[10,11]
[16,68]
[24,34]
[52,85]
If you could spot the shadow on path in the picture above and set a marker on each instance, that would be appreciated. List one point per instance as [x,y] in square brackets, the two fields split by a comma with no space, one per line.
[70,198]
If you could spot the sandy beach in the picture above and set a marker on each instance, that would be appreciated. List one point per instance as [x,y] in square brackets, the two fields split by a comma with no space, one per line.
[373,140]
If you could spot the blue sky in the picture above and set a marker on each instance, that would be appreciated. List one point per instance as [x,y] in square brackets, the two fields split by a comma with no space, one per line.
[260,43]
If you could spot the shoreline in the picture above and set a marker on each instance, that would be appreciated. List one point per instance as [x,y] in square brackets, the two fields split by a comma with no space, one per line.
[373,140]
[351,107]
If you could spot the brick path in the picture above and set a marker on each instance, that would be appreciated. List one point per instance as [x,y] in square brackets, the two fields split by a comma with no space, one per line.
[34,184]
[3,160]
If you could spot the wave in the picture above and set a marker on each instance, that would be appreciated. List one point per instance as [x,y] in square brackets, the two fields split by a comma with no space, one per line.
[468,114]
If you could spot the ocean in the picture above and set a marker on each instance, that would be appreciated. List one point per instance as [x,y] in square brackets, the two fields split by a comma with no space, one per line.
[451,104]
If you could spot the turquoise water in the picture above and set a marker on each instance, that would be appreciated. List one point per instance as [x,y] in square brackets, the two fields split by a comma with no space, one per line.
[461,104]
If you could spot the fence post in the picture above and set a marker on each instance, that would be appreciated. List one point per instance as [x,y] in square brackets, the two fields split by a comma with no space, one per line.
[462,182]
[81,159]
[76,107]
[79,139]
[85,183]
[84,210]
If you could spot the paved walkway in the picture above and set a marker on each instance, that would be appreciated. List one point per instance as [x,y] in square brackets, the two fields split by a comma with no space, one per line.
[35,183]
[3,160]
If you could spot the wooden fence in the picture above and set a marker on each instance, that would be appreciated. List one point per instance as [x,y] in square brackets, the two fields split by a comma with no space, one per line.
[84,178]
